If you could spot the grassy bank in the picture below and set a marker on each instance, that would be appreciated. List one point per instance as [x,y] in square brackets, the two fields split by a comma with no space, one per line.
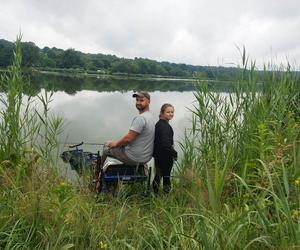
[94,73]
[238,185]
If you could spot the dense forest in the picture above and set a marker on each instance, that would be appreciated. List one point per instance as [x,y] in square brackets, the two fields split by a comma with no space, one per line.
[70,59]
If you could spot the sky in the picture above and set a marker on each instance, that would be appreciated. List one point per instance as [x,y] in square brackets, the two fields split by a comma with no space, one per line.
[197,32]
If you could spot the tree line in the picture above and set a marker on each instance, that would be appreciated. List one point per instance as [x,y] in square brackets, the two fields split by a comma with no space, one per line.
[55,58]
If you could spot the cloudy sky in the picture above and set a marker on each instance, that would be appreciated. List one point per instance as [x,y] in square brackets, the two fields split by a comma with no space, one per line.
[199,32]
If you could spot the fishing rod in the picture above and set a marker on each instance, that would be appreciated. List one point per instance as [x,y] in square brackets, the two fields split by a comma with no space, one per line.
[77,144]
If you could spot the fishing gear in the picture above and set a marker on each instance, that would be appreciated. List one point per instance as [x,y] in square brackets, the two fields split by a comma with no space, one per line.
[77,144]
[115,171]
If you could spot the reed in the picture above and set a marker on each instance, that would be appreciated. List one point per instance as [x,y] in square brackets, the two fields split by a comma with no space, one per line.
[238,185]
[247,152]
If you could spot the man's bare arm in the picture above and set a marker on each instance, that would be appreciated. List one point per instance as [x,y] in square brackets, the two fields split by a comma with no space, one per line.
[130,137]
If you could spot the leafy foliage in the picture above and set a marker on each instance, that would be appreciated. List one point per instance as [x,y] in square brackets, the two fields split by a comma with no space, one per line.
[53,58]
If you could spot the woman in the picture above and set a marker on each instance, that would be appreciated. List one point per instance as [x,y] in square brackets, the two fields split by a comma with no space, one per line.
[164,153]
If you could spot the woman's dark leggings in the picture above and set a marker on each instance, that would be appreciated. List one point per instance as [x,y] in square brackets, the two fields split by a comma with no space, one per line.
[163,167]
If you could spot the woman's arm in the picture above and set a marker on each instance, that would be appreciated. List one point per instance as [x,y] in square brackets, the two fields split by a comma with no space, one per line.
[166,140]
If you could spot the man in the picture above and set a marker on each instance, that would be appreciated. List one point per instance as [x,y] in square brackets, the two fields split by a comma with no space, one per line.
[137,145]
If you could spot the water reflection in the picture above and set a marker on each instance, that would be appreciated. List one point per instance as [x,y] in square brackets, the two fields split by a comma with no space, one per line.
[73,84]
[92,116]
[97,109]
[100,109]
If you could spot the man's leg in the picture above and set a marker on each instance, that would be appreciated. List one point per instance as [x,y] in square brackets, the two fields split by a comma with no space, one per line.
[105,153]
[100,186]
[117,153]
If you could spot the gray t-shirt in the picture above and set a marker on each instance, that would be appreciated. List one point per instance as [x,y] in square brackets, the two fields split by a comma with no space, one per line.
[141,149]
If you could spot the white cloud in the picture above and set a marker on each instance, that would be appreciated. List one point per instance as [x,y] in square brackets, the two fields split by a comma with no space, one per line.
[200,32]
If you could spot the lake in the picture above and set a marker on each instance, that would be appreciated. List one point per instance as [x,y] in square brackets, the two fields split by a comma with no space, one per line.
[98,109]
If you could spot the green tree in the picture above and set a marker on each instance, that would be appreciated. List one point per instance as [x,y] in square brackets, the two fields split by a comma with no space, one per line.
[71,59]
[30,54]
[124,66]
[54,54]
[6,52]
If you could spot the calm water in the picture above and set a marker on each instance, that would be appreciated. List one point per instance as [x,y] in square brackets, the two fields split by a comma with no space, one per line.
[92,116]
[99,109]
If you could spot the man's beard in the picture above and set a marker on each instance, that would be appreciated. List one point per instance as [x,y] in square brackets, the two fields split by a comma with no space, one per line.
[140,108]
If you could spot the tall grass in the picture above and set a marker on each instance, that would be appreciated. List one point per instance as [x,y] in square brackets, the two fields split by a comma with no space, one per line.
[238,188]
[23,125]
[248,153]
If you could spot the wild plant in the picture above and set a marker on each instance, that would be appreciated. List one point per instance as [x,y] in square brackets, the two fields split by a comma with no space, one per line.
[247,149]
[27,141]
[23,126]
[239,178]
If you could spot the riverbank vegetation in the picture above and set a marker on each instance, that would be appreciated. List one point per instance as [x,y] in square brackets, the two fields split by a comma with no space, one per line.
[237,188]
[73,62]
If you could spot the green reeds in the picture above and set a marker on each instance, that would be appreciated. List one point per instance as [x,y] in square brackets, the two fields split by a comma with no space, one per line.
[23,126]
[11,139]
[24,160]
[238,187]
[246,153]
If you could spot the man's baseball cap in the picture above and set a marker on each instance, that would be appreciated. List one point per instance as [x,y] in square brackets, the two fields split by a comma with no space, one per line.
[142,94]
